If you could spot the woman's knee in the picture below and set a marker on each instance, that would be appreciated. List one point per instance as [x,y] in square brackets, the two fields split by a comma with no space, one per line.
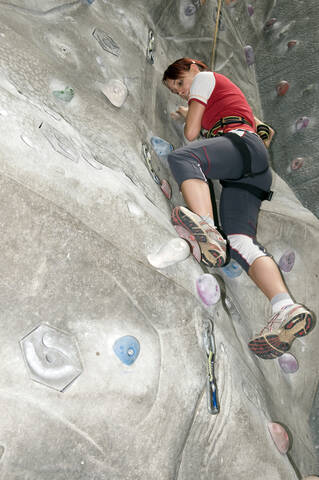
[245,249]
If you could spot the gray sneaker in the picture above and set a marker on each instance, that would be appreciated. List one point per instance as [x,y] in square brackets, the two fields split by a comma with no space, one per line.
[281,330]
[211,243]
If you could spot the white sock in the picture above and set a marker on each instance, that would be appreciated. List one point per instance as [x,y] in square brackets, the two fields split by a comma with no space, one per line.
[209,220]
[279,301]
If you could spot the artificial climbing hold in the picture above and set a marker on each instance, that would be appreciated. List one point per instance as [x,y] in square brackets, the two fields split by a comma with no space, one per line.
[166,189]
[270,23]
[233,269]
[127,349]
[250,56]
[287,261]
[174,251]
[302,123]
[208,289]
[279,436]
[282,88]
[65,95]
[106,42]
[162,147]
[183,233]
[292,43]
[250,10]
[288,363]
[115,91]
[297,163]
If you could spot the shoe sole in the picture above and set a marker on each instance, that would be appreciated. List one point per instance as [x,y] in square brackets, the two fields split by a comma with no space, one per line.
[273,345]
[210,256]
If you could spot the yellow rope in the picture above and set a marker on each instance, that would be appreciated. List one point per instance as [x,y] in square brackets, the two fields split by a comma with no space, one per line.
[215,34]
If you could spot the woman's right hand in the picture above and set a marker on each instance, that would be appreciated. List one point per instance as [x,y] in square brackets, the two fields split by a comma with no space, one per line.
[180,114]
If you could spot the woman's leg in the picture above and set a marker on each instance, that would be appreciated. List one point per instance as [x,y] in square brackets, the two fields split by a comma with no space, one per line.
[197,197]
[266,275]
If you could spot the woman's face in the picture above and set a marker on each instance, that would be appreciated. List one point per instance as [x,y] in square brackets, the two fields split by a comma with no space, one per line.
[181,86]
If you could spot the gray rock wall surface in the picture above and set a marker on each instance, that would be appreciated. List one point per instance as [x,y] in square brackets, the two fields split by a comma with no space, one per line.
[288,51]
[103,372]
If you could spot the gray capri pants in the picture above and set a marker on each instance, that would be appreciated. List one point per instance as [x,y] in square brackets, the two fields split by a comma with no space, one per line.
[218,158]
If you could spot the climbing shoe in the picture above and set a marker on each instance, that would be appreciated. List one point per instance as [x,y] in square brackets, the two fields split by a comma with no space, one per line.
[291,322]
[210,241]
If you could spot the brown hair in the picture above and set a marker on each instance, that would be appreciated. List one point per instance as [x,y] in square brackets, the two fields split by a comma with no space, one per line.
[178,68]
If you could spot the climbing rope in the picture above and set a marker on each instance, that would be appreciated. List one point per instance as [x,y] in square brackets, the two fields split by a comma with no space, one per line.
[212,63]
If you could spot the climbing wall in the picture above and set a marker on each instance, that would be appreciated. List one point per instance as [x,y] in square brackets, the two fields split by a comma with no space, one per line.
[106,313]
[287,71]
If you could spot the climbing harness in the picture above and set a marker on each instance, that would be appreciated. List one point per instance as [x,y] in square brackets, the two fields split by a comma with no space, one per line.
[209,344]
[225,121]
[263,131]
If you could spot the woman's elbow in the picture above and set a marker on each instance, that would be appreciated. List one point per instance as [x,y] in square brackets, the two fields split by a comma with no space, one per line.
[191,134]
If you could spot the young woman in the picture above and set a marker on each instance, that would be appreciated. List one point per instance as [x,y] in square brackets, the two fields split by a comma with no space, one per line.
[236,155]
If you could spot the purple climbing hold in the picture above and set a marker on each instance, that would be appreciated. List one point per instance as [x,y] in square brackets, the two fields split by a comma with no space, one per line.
[287,261]
[250,56]
[250,10]
[302,123]
[292,43]
[288,363]
[208,289]
[190,10]
[282,88]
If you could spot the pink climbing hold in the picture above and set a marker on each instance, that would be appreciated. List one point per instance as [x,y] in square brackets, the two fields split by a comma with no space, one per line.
[250,10]
[208,289]
[279,436]
[186,235]
[292,43]
[287,261]
[166,189]
[288,363]
[297,163]
[270,23]
[250,56]
[302,123]
[282,88]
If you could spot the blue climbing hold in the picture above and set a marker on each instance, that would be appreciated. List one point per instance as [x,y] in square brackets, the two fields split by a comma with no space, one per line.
[161,147]
[233,269]
[127,349]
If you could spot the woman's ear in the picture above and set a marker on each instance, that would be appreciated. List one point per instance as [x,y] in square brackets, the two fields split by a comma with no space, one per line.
[194,68]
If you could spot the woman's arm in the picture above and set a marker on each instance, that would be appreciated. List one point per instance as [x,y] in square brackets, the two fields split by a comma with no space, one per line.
[193,119]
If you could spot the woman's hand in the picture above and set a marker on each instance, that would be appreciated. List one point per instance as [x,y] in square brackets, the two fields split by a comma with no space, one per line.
[180,114]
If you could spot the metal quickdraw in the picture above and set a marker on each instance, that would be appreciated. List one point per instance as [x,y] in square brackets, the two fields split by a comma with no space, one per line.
[209,344]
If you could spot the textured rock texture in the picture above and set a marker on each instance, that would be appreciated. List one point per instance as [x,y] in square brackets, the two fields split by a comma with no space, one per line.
[103,371]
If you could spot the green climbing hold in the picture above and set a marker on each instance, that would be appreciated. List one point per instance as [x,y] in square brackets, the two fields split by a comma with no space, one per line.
[65,95]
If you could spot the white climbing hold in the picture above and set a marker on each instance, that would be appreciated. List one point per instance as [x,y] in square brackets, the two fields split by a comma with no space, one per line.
[174,251]
[115,91]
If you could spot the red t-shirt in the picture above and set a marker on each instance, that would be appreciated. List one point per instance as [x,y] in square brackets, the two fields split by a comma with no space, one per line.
[222,98]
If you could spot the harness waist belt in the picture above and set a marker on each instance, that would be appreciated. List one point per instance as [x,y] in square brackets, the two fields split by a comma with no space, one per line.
[258,192]
[226,121]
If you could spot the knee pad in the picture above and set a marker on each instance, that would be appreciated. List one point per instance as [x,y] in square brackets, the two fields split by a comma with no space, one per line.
[245,249]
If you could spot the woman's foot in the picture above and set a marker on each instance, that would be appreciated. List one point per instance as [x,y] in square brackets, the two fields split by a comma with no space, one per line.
[211,243]
[282,329]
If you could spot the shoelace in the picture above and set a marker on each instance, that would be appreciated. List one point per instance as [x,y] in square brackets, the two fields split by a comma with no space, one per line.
[275,319]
